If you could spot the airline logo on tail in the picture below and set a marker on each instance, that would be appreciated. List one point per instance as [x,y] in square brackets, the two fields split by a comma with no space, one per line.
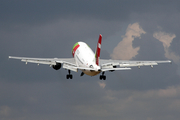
[97,55]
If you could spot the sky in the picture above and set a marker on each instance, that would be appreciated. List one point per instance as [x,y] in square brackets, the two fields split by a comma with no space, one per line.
[131,30]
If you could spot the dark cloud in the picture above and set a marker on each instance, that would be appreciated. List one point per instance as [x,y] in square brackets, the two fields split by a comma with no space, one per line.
[45,11]
[36,12]
[50,29]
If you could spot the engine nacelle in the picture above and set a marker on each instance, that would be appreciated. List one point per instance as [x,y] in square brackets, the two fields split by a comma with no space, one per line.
[57,66]
[113,67]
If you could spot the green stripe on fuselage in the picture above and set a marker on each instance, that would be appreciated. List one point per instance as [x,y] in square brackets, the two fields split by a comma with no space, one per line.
[75,46]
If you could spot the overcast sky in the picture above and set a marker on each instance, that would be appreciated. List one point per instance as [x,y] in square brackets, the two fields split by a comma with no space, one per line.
[131,30]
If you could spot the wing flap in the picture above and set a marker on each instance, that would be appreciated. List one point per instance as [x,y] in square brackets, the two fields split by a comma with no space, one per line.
[109,69]
[123,63]
[138,64]
[67,63]
[39,62]
[47,61]
[70,67]
[75,68]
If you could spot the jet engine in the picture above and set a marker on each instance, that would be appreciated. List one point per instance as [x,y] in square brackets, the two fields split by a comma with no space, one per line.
[57,66]
[113,67]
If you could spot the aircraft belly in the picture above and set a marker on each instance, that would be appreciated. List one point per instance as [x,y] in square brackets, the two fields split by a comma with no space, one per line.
[91,73]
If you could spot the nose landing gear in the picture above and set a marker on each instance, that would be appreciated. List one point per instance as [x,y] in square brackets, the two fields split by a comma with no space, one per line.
[69,76]
[102,76]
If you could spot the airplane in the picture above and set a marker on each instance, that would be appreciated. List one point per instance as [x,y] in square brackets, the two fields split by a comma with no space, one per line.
[88,62]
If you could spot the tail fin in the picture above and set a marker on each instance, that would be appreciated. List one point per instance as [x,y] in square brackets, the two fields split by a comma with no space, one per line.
[97,54]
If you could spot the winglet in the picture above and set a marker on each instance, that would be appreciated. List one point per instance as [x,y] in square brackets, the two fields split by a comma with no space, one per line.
[97,55]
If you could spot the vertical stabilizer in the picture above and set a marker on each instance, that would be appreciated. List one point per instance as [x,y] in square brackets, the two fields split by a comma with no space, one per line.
[97,54]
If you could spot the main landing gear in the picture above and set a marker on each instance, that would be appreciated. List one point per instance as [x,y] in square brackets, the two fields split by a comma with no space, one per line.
[69,76]
[102,76]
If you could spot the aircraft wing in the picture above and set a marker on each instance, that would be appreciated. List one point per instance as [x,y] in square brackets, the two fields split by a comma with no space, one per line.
[48,61]
[124,63]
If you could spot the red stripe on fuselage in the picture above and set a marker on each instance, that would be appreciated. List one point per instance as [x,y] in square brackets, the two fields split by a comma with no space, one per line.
[74,50]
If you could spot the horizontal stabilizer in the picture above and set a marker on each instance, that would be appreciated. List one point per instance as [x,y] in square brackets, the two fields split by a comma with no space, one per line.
[84,68]
[70,67]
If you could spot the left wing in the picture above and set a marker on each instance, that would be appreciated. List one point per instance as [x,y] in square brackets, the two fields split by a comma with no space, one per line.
[49,61]
[68,63]
[122,63]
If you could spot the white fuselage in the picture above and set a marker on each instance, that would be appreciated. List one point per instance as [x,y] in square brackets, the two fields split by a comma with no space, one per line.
[85,57]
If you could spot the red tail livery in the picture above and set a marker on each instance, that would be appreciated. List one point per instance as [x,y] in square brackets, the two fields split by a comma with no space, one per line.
[97,55]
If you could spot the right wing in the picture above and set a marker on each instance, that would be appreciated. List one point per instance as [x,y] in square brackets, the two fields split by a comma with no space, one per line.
[113,69]
[125,63]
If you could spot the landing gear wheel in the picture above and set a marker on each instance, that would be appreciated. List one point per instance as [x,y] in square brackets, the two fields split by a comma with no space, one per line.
[70,76]
[67,76]
[104,77]
[100,77]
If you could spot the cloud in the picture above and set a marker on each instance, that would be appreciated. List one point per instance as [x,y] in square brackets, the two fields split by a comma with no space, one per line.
[43,93]
[125,50]
[5,110]
[124,102]
[102,84]
[166,39]
[169,92]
